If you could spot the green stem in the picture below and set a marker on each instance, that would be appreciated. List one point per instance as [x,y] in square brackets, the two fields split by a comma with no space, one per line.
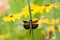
[30,19]
[29,9]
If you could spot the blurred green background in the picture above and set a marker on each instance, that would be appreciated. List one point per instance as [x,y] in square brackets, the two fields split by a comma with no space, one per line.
[17,31]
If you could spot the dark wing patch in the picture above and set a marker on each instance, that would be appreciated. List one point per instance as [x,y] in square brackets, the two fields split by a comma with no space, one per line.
[27,24]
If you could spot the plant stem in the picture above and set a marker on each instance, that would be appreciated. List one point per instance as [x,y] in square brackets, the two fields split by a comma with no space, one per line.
[30,19]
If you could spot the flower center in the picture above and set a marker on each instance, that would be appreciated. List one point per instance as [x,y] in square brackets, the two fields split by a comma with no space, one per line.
[47,5]
[55,28]
[31,9]
[11,15]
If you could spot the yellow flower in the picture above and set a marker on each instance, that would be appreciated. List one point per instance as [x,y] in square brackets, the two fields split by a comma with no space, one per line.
[59,28]
[9,18]
[12,17]
[47,21]
[43,32]
[17,16]
[41,9]
[2,36]
[5,36]
[57,20]
[51,28]
[5,19]
[34,8]
[25,10]
[48,7]
[54,21]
